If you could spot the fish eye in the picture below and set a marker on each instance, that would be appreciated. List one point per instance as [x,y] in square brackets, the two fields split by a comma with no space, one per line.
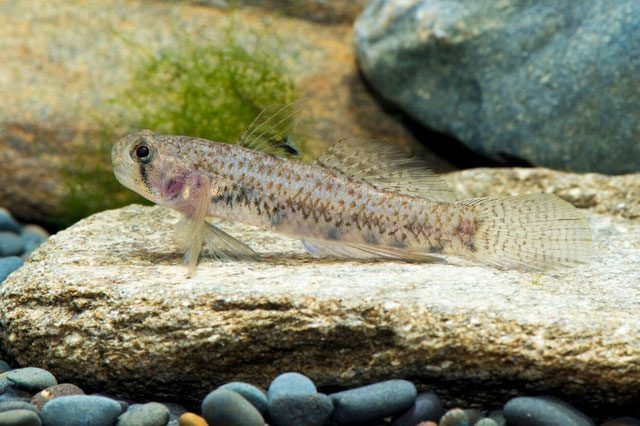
[141,152]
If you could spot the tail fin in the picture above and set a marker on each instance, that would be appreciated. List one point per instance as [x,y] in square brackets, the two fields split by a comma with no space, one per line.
[530,232]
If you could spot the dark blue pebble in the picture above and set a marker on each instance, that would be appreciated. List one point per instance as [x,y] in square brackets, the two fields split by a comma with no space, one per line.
[543,411]
[8,265]
[150,414]
[622,421]
[10,244]
[253,394]
[427,406]
[373,402]
[296,410]
[17,404]
[80,410]
[31,378]
[291,384]
[13,393]
[3,364]
[19,418]
[8,223]
[223,407]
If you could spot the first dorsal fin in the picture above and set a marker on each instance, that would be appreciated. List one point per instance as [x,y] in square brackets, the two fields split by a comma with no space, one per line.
[270,131]
[385,167]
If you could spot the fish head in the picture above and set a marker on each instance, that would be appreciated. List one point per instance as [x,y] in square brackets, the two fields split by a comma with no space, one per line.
[148,164]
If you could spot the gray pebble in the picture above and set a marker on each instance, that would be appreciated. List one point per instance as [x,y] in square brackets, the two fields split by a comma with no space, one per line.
[175,411]
[7,222]
[150,414]
[373,402]
[427,406]
[543,411]
[295,410]
[253,394]
[10,244]
[16,404]
[226,408]
[3,364]
[19,418]
[9,265]
[31,378]
[291,384]
[80,410]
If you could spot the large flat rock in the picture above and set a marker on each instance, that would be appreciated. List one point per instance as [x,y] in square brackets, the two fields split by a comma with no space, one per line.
[107,303]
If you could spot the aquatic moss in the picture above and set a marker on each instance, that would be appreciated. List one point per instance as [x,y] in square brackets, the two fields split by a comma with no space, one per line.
[208,91]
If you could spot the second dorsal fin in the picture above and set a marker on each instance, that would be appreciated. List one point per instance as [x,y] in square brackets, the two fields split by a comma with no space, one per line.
[386,167]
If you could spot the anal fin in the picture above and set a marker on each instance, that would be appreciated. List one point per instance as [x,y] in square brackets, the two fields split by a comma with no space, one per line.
[340,250]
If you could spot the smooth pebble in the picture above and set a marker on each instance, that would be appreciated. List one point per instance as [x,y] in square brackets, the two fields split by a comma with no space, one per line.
[16,404]
[543,411]
[46,395]
[8,265]
[80,410]
[498,417]
[32,378]
[191,419]
[7,222]
[253,394]
[291,384]
[3,364]
[149,414]
[455,417]
[10,244]
[373,401]
[226,408]
[487,421]
[427,406]
[295,410]
[19,418]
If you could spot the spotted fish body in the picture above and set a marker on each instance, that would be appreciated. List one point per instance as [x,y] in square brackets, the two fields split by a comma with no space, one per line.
[358,200]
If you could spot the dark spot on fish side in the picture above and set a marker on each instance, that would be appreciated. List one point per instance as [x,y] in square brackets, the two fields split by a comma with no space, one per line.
[398,244]
[370,238]
[333,234]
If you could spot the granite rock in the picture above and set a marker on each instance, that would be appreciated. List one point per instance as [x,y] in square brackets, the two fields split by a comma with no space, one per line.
[550,83]
[112,294]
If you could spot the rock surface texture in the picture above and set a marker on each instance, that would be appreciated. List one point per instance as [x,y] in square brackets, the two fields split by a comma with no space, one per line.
[552,83]
[107,303]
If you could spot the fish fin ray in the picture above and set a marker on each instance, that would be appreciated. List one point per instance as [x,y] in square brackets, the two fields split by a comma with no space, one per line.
[223,246]
[533,232]
[340,250]
[270,130]
[385,167]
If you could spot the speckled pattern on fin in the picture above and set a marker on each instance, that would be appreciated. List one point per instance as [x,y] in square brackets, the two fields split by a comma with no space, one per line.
[269,131]
[340,250]
[386,167]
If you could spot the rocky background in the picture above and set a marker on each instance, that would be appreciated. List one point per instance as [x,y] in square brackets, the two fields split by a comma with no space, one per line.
[104,304]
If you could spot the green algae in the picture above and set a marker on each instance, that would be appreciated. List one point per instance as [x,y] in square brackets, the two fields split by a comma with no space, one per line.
[208,91]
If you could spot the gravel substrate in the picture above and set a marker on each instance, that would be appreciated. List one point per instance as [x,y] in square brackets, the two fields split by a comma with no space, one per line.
[32,396]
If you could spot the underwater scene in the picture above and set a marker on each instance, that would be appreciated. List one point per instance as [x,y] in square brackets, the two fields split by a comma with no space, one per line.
[310,213]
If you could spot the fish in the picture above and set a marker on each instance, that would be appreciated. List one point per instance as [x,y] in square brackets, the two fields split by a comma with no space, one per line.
[360,199]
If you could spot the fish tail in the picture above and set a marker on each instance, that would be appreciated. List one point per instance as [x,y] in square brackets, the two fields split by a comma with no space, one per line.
[531,232]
